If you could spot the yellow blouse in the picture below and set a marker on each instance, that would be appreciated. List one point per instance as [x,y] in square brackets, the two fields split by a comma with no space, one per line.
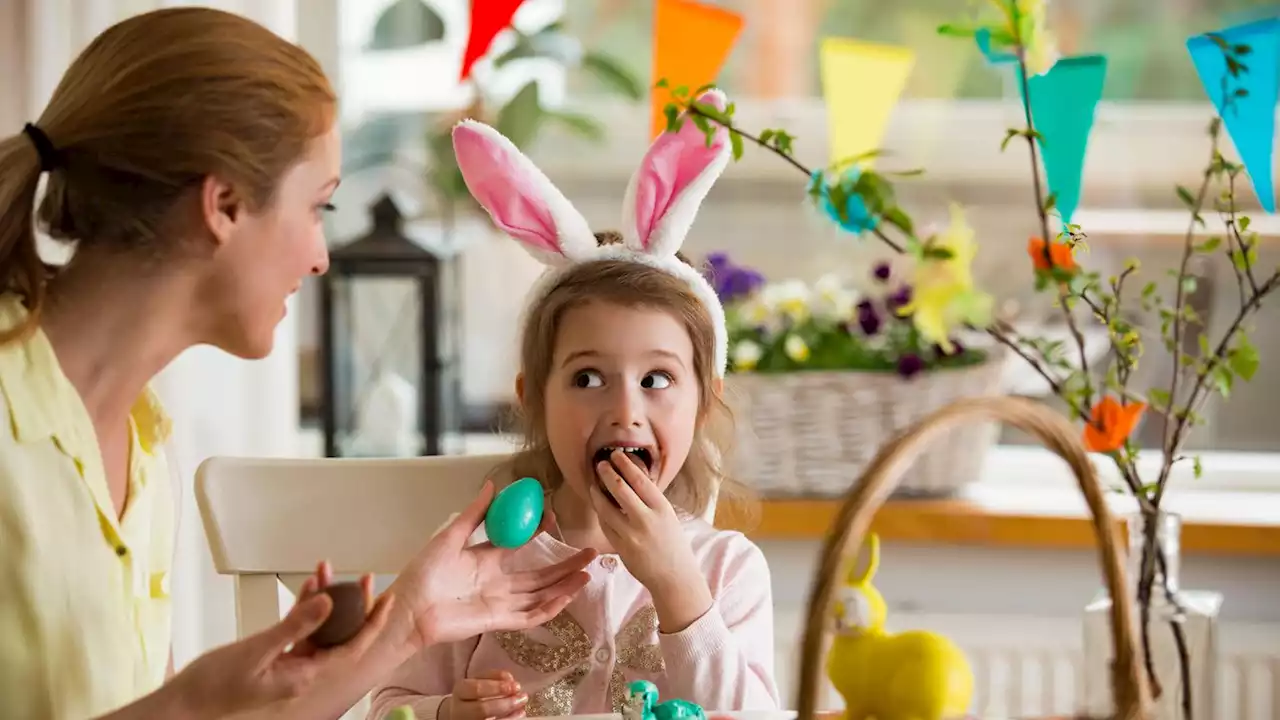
[84,598]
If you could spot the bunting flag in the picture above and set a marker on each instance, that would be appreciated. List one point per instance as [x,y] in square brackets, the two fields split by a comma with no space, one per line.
[691,42]
[488,18]
[1063,101]
[1250,119]
[861,83]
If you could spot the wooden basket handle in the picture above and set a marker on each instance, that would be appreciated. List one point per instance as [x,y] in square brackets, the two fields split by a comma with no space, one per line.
[1128,683]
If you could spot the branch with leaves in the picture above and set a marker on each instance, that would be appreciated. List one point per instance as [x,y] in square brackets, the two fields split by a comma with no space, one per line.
[1101,398]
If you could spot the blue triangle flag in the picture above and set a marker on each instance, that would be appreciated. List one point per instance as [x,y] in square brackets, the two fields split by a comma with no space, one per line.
[1250,119]
[1063,101]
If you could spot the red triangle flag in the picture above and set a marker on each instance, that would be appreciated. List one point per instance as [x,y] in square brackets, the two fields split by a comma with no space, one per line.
[488,18]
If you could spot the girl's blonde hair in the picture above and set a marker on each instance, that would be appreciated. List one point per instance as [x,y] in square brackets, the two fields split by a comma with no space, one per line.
[702,480]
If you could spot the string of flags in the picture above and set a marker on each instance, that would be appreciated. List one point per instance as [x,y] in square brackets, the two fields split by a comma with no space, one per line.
[862,83]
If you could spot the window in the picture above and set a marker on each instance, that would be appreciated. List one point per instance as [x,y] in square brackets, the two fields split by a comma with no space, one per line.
[1148,136]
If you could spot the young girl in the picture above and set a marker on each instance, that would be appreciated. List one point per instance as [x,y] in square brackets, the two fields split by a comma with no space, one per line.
[622,364]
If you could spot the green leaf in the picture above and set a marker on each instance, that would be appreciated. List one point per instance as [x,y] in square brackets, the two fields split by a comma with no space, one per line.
[1187,198]
[898,218]
[1009,135]
[1209,245]
[521,117]
[586,126]
[406,24]
[1197,467]
[1220,378]
[1243,358]
[1243,221]
[735,142]
[614,75]
[1158,399]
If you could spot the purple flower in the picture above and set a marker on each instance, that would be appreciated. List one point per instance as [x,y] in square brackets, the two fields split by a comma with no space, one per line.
[730,281]
[881,271]
[868,318]
[909,365]
[899,299]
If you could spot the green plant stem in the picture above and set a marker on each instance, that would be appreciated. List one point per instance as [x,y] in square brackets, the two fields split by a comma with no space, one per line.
[1043,213]
[1174,421]
[693,108]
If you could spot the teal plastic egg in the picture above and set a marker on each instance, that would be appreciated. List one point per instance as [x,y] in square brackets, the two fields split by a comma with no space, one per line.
[515,514]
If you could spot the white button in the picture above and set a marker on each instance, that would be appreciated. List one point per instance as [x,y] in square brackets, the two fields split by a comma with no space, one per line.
[602,655]
[609,562]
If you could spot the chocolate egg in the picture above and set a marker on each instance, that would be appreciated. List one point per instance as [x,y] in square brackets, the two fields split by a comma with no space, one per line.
[515,514]
[347,618]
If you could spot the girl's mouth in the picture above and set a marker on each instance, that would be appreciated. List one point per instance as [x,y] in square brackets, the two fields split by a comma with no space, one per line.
[643,458]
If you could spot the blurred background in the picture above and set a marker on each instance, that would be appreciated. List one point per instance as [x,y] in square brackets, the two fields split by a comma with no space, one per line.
[577,98]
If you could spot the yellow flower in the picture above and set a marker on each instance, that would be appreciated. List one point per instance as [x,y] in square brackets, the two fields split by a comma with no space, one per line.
[796,348]
[943,296]
[1027,21]
[746,354]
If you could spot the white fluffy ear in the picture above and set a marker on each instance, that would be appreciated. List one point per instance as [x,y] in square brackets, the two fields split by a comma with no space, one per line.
[671,182]
[519,197]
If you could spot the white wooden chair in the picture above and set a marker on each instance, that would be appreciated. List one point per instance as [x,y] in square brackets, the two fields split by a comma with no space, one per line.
[269,521]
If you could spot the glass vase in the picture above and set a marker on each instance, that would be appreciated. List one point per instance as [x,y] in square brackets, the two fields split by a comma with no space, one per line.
[1174,618]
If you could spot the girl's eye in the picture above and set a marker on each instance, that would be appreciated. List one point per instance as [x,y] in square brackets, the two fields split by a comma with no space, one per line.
[587,379]
[656,381]
[328,207]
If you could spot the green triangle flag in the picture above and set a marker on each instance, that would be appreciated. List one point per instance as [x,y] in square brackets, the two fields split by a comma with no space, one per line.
[1063,101]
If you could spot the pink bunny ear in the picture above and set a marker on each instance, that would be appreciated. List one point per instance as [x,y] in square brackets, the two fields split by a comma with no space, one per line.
[671,182]
[518,196]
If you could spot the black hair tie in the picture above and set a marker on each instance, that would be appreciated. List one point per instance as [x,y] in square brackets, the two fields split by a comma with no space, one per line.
[50,158]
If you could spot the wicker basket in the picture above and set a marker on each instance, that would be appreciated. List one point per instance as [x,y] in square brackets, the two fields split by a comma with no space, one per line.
[1129,684]
[811,433]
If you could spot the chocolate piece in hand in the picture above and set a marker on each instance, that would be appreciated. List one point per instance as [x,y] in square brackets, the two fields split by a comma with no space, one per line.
[347,618]
[638,456]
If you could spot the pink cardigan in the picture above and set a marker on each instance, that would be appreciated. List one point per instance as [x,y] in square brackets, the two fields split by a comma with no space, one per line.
[581,661]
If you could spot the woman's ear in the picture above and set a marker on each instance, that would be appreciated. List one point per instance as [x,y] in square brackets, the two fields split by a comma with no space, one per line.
[520,388]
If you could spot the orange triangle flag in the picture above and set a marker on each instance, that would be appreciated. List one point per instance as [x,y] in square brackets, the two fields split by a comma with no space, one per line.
[691,41]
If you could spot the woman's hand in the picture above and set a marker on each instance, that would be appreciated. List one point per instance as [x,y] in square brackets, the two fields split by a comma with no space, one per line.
[453,592]
[277,664]
[649,537]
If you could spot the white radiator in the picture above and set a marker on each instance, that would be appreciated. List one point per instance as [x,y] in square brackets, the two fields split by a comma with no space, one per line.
[1029,666]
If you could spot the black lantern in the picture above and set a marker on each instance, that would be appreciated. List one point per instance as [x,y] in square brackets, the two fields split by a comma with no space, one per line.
[388,365]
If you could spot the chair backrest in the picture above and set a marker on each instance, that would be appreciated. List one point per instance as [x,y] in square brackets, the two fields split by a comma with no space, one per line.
[268,521]
[273,519]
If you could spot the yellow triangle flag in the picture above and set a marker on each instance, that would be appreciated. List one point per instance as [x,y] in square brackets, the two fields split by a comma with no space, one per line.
[691,41]
[861,83]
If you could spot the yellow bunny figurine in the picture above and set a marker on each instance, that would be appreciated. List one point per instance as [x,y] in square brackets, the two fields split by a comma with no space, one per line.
[914,675]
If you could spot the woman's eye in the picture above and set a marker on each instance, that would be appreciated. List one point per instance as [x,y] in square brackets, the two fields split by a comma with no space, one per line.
[655,381]
[587,379]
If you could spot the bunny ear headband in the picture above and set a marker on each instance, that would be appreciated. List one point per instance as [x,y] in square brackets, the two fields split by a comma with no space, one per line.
[661,202]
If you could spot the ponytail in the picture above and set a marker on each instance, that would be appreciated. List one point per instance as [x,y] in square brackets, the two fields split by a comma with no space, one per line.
[21,269]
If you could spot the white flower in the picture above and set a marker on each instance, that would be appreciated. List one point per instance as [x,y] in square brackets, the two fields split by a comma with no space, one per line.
[833,300]
[796,348]
[789,298]
[746,354]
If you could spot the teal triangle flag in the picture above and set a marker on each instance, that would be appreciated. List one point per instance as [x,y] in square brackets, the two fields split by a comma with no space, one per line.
[1250,119]
[1063,101]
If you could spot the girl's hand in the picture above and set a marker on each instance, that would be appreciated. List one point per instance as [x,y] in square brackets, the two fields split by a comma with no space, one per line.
[649,537]
[488,695]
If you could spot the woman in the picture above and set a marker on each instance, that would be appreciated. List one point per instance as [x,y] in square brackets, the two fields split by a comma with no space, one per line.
[189,155]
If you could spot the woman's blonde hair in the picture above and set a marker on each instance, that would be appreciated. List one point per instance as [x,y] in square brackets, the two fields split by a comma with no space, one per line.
[153,106]
[703,479]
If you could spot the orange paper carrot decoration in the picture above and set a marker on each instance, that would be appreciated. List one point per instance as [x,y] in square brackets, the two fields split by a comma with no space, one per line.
[691,41]
[1111,424]
[1058,255]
